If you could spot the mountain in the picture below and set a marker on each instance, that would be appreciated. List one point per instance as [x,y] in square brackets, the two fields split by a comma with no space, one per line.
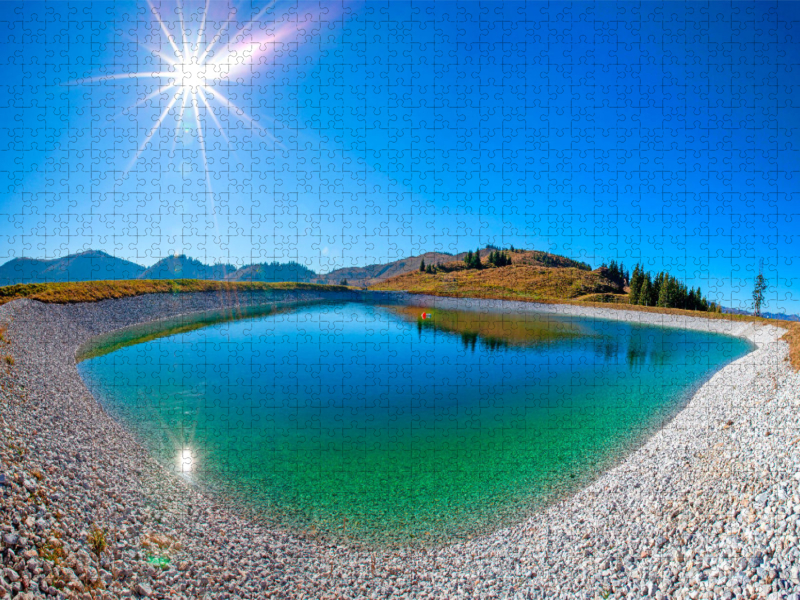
[781,316]
[183,267]
[735,311]
[91,265]
[768,315]
[274,271]
[372,274]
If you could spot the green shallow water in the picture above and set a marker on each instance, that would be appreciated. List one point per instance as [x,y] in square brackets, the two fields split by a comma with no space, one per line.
[371,424]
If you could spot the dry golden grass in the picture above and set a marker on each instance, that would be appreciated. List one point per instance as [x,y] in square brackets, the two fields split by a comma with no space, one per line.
[793,337]
[541,259]
[556,286]
[515,282]
[97,540]
[94,291]
[605,298]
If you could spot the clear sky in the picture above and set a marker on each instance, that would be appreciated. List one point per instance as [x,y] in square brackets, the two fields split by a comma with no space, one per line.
[341,134]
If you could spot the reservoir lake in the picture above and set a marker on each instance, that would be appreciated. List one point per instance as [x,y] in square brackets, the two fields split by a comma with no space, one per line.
[379,424]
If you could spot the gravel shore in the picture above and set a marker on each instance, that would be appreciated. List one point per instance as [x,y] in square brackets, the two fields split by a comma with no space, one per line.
[709,507]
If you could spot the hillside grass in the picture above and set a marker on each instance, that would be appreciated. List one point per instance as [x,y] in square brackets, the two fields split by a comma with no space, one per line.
[94,291]
[515,282]
[543,259]
[527,283]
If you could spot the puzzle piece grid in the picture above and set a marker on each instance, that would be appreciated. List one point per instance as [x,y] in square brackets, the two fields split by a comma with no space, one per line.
[340,135]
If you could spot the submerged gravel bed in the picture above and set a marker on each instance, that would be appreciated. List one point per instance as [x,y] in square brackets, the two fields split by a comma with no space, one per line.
[708,507]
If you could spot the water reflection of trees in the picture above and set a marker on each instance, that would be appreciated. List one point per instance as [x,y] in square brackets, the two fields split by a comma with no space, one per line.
[500,332]
[492,331]
[637,349]
[470,339]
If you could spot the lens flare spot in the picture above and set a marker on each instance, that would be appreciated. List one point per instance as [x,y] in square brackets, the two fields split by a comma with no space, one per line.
[186,460]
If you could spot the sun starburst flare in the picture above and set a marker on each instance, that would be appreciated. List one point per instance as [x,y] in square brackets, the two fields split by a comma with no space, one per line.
[195,74]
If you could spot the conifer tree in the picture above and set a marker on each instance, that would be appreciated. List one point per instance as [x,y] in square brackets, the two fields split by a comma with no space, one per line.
[637,279]
[758,290]
[477,259]
[647,291]
[655,294]
[662,294]
[665,291]
[422,266]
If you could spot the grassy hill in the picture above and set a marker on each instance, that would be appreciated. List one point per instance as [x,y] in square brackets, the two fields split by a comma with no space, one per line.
[372,275]
[538,258]
[532,276]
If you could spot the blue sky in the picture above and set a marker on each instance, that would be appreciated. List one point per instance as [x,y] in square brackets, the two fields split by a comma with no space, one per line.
[346,134]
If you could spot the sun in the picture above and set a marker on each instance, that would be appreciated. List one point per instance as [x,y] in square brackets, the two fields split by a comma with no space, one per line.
[191,76]
[193,69]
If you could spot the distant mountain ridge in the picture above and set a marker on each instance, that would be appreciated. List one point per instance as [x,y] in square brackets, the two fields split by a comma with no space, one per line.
[381,271]
[183,267]
[84,266]
[94,265]
[273,272]
[769,315]
[781,316]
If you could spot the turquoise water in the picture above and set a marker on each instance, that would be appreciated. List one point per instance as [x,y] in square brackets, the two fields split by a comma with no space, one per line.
[370,423]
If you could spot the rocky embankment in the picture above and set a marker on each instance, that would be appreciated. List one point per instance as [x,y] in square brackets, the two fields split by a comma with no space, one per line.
[709,507]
